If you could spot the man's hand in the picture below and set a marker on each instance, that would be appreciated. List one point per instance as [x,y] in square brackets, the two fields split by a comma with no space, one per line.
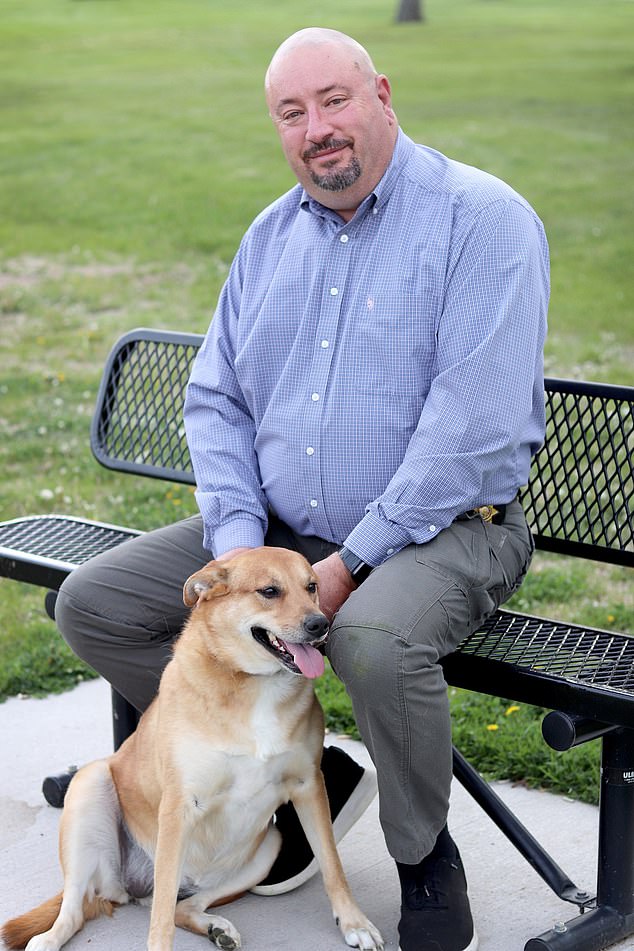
[335,584]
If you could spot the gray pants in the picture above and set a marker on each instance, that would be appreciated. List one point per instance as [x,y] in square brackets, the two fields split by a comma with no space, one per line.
[122,610]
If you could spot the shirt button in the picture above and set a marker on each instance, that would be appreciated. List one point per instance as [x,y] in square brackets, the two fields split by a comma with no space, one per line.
[390,551]
[344,238]
[432,528]
[325,344]
[334,291]
[310,451]
[314,503]
[315,397]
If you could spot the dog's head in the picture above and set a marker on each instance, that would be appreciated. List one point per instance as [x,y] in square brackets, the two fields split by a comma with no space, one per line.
[261,611]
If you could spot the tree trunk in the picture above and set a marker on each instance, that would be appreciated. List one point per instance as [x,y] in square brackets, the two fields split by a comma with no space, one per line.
[409,10]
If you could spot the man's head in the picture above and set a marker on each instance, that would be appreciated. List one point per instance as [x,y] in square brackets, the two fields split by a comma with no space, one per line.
[334,115]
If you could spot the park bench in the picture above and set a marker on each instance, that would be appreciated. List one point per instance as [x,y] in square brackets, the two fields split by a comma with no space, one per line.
[579,502]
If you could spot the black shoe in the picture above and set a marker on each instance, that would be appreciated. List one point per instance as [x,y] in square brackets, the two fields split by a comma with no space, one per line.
[351,789]
[435,912]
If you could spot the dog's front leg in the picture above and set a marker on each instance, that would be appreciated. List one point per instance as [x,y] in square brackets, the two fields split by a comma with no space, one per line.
[168,862]
[311,804]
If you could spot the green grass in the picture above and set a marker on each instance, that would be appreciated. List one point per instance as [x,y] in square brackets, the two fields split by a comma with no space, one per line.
[135,149]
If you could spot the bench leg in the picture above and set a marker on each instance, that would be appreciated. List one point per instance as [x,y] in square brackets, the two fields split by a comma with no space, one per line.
[517,833]
[125,718]
[49,603]
[613,918]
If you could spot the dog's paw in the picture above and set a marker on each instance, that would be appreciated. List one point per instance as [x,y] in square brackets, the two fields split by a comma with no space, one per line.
[222,933]
[42,942]
[368,937]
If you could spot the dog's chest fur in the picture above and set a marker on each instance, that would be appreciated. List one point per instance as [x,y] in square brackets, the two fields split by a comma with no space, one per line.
[231,789]
[256,762]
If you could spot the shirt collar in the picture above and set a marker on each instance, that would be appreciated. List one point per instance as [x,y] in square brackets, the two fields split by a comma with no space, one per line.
[403,150]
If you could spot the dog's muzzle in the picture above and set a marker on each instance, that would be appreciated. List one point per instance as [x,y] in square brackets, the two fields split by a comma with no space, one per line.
[300,657]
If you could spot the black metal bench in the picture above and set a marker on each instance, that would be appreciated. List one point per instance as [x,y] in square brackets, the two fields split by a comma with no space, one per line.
[579,501]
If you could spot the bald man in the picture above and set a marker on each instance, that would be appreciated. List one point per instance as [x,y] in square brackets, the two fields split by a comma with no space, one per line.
[370,393]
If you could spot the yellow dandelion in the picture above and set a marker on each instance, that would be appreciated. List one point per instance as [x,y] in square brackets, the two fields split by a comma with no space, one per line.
[492,727]
[512,709]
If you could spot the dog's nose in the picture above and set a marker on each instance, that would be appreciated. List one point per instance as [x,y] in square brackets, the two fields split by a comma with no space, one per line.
[316,625]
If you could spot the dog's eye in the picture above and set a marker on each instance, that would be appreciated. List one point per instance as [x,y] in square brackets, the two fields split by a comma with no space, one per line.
[311,587]
[270,592]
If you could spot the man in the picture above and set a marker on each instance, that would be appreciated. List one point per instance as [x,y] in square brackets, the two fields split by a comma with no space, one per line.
[370,392]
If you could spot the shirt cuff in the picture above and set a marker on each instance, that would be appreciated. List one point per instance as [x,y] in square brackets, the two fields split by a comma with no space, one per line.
[374,540]
[238,533]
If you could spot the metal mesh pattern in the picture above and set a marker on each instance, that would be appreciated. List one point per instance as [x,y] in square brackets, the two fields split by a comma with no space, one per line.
[581,492]
[60,539]
[141,414]
[576,654]
[581,488]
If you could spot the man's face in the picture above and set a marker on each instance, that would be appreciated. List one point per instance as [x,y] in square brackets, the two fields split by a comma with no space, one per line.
[335,122]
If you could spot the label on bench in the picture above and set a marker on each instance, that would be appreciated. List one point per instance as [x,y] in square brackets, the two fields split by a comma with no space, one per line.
[618,777]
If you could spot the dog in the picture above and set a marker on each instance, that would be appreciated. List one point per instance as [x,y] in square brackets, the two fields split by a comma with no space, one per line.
[181,815]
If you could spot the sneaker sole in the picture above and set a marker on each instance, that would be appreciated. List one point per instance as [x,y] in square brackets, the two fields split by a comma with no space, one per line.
[362,795]
[472,946]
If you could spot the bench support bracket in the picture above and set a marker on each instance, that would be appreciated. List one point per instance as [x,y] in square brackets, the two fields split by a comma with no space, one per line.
[613,918]
[517,833]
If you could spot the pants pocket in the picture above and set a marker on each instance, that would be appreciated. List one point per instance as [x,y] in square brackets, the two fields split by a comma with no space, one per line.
[488,562]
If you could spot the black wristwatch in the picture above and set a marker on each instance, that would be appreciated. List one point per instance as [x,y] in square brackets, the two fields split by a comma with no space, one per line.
[357,568]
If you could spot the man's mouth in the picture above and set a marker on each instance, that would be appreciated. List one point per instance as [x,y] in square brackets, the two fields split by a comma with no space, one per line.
[326,150]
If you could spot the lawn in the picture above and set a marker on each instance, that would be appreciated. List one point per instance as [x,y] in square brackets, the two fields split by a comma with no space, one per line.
[135,149]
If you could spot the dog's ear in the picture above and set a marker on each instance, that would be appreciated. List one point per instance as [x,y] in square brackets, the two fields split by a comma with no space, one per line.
[210,582]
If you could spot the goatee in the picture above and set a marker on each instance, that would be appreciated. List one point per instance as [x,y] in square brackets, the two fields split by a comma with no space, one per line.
[338,179]
[335,180]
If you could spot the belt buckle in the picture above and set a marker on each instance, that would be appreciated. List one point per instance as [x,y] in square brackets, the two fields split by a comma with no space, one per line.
[487,512]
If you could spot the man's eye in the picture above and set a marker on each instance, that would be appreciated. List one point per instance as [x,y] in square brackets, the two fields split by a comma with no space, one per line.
[290,117]
[270,592]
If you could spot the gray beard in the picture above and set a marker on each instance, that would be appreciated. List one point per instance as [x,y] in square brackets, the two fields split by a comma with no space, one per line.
[340,179]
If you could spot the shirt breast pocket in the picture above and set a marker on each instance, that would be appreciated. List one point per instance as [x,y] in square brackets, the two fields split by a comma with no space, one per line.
[394,336]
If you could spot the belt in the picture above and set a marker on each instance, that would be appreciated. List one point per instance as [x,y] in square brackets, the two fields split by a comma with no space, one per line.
[488,513]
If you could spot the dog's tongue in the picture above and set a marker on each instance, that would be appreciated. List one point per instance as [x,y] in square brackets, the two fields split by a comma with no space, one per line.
[308,659]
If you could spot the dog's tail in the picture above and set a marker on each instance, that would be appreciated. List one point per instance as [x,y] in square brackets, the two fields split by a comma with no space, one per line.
[17,933]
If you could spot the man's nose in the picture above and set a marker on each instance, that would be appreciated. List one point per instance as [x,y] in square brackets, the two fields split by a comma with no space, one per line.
[318,126]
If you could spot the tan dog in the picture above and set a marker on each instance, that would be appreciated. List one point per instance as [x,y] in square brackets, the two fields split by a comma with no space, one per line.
[184,807]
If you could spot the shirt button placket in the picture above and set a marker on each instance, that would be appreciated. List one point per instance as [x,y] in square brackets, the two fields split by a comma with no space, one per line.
[325,334]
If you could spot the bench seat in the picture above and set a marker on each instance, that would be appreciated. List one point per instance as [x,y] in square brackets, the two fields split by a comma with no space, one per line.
[44,549]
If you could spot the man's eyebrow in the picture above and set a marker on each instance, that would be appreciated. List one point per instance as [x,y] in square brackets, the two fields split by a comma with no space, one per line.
[319,92]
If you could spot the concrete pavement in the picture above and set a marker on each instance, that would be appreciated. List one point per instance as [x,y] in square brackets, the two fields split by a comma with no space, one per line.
[510,902]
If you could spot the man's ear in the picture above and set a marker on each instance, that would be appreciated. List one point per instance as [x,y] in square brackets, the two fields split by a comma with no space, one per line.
[384,93]
[210,582]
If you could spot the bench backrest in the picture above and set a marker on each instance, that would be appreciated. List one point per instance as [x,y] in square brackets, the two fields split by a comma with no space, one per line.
[138,426]
[579,500]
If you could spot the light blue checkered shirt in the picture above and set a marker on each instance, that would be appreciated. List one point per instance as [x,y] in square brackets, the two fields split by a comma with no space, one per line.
[370,381]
